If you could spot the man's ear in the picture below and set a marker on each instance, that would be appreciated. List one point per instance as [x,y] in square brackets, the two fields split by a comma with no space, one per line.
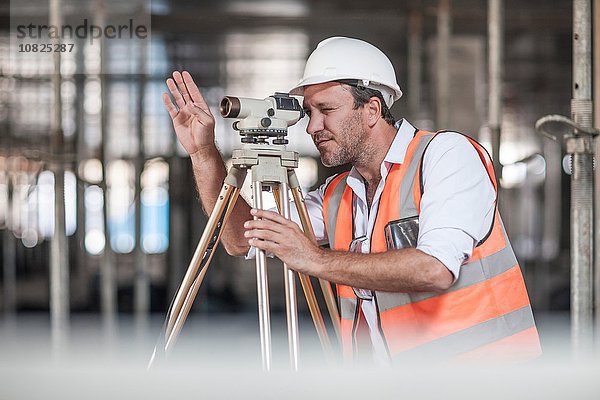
[373,108]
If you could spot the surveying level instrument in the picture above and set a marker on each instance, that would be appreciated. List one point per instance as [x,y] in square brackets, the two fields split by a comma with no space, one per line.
[272,167]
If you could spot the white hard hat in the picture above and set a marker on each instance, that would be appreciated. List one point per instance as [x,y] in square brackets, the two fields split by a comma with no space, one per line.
[340,58]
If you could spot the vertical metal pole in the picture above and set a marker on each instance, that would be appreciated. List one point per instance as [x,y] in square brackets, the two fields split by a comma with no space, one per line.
[552,220]
[495,65]
[414,63]
[290,289]
[442,65]
[142,281]
[596,80]
[59,262]
[9,261]
[108,284]
[9,274]
[82,270]
[264,317]
[596,63]
[581,183]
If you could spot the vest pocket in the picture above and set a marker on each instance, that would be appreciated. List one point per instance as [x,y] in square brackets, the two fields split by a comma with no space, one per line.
[402,233]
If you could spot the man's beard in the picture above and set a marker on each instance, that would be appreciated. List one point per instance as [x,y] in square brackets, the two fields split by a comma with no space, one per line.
[350,143]
[340,157]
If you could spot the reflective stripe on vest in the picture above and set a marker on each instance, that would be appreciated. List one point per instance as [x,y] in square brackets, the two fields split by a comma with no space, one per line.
[348,305]
[487,310]
[331,203]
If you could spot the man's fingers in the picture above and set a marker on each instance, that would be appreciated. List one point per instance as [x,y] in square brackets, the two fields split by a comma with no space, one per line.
[182,87]
[264,245]
[263,235]
[170,106]
[175,93]
[195,92]
[264,225]
[269,215]
[271,221]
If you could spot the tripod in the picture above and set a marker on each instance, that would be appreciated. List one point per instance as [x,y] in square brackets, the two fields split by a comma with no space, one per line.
[271,167]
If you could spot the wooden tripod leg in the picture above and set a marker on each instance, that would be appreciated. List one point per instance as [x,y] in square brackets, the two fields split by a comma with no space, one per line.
[204,252]
[204,264]
[308,231]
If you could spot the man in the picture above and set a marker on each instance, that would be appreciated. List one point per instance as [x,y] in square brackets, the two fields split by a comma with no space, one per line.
[458,291]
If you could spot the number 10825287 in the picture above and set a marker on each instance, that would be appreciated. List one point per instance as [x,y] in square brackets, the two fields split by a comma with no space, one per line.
[46,48]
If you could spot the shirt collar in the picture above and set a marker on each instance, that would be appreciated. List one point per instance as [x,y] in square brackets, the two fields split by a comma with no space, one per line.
[397,151]
[395,155]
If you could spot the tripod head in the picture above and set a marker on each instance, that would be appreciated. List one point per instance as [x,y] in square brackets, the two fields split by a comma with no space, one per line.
[261,119]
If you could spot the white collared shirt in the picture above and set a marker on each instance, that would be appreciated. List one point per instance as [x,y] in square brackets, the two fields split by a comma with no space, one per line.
[457,206]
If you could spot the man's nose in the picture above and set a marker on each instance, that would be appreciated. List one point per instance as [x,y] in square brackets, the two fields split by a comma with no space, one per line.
[315,125]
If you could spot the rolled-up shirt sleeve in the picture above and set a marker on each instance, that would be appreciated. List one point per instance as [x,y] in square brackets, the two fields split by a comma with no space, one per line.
[449,245]
[458,202]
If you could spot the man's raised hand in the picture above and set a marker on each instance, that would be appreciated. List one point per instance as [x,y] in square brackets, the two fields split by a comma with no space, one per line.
[193,122]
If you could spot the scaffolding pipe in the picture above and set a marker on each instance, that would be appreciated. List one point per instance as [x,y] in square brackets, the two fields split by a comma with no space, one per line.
[59,261]
[442,65]
[414,63]
[496,71]
[596,53]
[580,146]
[596,63]
[142,280]
[81,279]
[108,282]
[9,253]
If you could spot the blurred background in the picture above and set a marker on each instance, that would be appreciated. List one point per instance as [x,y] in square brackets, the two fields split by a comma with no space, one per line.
[131,216]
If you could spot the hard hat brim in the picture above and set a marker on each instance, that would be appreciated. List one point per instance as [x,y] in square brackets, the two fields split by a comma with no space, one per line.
[298,90]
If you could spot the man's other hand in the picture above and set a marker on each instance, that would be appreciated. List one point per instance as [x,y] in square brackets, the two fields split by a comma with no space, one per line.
[275,234]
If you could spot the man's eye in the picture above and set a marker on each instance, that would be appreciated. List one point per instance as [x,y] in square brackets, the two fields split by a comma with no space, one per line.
[326,110]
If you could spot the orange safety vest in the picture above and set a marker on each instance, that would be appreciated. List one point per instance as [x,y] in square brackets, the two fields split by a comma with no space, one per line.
[485,313]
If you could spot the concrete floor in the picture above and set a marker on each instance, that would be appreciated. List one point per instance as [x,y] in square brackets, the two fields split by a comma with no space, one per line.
[218,356]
